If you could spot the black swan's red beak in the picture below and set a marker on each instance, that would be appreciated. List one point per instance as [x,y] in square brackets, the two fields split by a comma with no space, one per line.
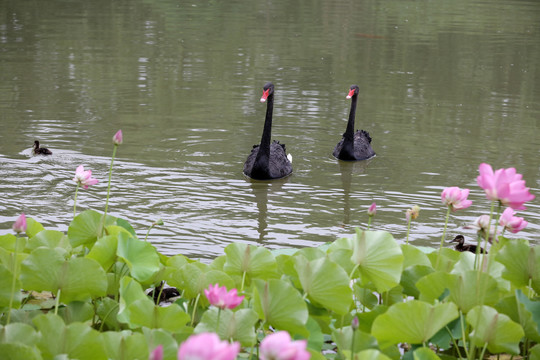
[351,93]
[265,95]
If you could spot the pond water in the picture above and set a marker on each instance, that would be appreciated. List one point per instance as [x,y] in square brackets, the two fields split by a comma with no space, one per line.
[444,86]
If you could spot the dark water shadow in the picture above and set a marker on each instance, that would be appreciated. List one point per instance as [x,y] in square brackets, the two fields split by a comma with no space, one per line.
[261,190]
[349,171]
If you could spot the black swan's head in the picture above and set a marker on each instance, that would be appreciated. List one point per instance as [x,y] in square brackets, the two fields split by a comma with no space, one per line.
[36,144]
[353,91]
[268,90]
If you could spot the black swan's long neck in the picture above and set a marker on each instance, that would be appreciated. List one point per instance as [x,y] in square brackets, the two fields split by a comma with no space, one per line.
[349,132]
[264,149]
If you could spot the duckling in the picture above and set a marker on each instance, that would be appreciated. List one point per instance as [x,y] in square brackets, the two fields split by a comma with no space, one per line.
[41,151]
[460,239]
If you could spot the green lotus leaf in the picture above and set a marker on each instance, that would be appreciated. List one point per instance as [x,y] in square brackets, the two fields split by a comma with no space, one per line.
[370,354]
[125,345]
[255,262]
[494,329]
[86,227]
[104,251]
[448,258]
[434,285]
[534,352]
[7,242]
[144,312]
[342,257]
[413,322]
[325,282]
[77,340]
[532,306]
[343,338]
[379,258]
[18,351]
[140,256]
[522,263]
[366,296]
[77,311]
[280,305]
[78,279]
[425,353]
[18,333]
[410,277]
[519,313]
[156,337]
[414,256]
[130,291]
[6,282]
[50,239]
[237,326]
[195,280]
[315,335]
[473,288]
[309,253]
[33,227]
[107,310]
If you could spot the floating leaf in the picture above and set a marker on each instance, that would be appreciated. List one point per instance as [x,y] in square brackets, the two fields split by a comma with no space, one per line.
[280,305]
[238,326]
[379,258]
[497,330]
[78,279]
[140,256]
[413,322]
[325,282]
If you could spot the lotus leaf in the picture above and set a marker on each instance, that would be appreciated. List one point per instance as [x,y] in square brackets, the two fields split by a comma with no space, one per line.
[497,330]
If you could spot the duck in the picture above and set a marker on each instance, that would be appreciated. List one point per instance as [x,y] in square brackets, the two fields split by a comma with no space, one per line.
[461,246]
[39,150]
[354,146]
[269,159]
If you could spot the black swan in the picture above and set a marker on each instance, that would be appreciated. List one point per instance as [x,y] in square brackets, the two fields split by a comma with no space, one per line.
[460,239]
[354,146]
[41,151]
[268,160]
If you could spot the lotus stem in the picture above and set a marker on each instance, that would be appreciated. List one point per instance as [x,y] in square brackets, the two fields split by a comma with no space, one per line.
[195,308]
[14,279]
[75,200]
[488,230]
[408,229]
[369,222]
[243,281]
[443,235]
[110,175]
[57,301]
[217,323]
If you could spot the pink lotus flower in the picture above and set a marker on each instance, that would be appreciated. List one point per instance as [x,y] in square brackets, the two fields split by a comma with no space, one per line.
[220,297]
[512,223]
[481,225]
[157,354]
[278,346]
[118,138]
[456,198]
[504,185]
[372,210]
[19,225]
[84,177]
[207,346]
